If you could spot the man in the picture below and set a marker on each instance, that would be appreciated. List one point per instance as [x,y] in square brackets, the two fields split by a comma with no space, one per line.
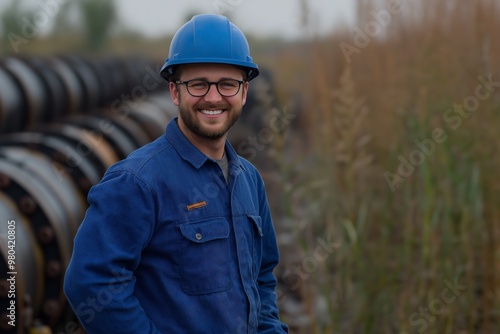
[178,237]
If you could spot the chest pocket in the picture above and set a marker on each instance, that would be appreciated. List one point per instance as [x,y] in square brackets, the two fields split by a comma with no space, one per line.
[204,253]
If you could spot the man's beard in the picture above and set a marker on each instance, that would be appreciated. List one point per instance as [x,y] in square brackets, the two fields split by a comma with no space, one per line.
[193,124]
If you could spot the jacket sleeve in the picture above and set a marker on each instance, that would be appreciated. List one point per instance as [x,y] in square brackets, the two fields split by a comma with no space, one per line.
[269,321]
[99,281]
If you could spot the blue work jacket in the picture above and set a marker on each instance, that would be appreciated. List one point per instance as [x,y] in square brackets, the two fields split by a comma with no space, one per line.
[167,246]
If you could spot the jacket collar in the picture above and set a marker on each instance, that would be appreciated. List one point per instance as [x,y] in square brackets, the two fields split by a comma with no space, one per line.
[190,153]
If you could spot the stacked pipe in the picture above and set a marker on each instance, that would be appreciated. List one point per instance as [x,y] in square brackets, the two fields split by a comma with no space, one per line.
[63,121]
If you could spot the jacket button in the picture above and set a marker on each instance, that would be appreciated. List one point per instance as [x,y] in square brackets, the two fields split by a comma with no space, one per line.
[198,236]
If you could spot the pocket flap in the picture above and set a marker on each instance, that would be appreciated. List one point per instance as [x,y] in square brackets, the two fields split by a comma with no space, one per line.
[206,230]
[257,223]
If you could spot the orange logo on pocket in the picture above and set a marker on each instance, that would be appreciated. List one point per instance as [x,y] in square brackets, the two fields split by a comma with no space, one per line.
[196,205]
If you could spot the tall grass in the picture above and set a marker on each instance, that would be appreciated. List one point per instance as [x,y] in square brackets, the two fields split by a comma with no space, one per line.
[420,254]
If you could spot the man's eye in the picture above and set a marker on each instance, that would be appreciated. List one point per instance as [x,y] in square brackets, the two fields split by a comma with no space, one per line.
[228,84]
[198,84]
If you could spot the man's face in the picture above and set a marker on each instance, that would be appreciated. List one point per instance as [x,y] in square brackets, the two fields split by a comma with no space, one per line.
[212,115]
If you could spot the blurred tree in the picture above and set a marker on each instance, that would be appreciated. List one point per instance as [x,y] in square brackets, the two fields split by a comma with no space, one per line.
[10,16]
[98,18]
[8,22]
[305,11]
[11,26]
[66,20]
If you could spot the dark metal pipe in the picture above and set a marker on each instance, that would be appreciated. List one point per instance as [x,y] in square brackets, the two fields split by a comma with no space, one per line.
[32,90]
[77,120]
[12,103]
[28,264]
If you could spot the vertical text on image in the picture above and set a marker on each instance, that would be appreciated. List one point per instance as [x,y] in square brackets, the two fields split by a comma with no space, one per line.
[11,266]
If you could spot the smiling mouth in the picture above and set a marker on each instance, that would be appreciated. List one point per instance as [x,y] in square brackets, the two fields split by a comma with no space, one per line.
[211,112]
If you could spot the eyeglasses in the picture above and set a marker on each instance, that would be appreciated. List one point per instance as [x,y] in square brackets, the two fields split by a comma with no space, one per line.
[200,87]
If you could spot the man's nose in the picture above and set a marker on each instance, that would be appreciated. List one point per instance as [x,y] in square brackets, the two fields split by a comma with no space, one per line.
[213,94]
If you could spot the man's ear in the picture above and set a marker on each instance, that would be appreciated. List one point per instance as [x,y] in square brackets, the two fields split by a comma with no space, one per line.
[245,92]
[174,93]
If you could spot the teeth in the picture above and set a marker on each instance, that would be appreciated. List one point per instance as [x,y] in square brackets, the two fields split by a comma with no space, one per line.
[211,112]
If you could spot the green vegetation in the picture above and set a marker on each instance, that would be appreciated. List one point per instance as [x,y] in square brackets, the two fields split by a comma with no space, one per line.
[401,138]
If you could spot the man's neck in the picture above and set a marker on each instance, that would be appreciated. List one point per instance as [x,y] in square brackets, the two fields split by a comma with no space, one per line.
[212,148]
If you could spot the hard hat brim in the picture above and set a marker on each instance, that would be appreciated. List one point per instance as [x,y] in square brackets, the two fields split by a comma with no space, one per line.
[250,68]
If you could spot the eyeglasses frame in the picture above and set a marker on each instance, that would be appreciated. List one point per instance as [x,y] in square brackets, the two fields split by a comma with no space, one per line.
[210,83]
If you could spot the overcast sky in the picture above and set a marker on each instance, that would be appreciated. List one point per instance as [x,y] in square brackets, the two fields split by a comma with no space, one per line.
[256,17]
[259,17]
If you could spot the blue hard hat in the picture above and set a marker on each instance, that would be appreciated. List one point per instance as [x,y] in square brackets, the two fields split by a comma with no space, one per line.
[209,38]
